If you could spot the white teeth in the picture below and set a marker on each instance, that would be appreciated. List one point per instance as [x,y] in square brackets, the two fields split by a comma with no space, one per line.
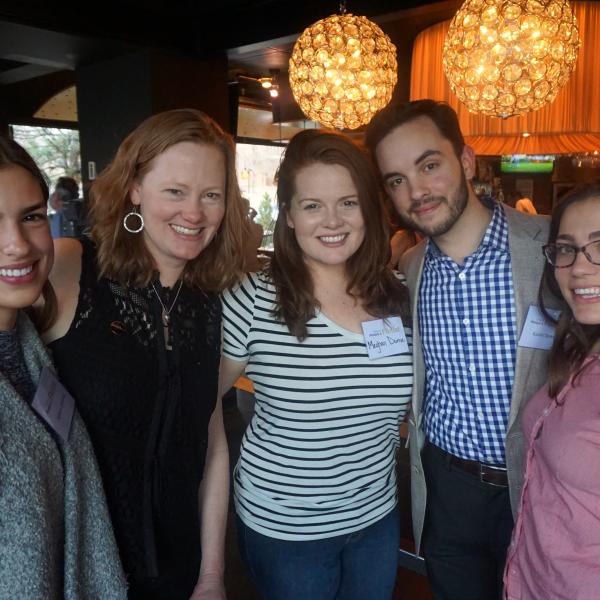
[332,239]
[587,292]
[16,272]
[185,230]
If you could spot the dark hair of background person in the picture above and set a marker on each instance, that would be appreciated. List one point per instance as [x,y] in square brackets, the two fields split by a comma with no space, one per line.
[573,340]
[369,278]
[12,154]
[123,256]
[67,188]
[395,114]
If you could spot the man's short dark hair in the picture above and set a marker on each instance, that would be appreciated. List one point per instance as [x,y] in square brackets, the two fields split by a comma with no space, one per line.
[396,113]
[67,188]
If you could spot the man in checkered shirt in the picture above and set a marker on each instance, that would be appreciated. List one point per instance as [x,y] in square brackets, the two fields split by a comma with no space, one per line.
[473,280]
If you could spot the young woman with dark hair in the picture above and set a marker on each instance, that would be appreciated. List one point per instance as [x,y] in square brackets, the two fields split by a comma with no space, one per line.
[138,342]
[554,553]
[56,539]
[315,486]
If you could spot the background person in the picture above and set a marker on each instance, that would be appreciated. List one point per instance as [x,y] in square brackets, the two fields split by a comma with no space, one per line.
[315,486]
[555,543]
[138,339]
[55,533]
[253,240]
[472,280]
[66,191]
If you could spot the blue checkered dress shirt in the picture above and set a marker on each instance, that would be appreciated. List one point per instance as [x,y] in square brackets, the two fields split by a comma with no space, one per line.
[468,330]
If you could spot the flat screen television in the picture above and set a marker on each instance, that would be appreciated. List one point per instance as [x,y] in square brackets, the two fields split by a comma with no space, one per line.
[527,163]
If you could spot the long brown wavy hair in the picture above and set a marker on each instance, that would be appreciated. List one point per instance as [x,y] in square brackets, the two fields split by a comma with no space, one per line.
[12,154]
[123,256]
[369,278]
[573,341]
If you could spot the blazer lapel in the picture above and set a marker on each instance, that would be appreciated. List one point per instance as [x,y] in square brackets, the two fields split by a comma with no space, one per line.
[415,259]
[526,238]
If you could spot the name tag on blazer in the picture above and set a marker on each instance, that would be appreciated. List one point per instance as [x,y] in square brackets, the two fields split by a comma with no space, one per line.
[538,332]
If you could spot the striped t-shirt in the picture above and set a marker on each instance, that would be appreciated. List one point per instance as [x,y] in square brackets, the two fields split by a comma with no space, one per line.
[318,458]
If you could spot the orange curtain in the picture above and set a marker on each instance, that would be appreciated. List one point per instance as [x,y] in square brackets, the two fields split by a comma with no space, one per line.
[570,124]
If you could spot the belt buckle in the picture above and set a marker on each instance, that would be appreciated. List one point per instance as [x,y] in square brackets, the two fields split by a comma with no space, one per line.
[482,475]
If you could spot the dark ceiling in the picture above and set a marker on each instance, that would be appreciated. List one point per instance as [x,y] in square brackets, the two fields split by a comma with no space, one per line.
[42,42]
[197,26]
[63,35]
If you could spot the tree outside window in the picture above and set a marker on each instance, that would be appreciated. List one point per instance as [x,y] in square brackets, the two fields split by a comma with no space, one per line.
[56,151]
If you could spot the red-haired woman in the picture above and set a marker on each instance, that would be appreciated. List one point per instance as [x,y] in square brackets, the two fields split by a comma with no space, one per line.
[320,335]
[138,341]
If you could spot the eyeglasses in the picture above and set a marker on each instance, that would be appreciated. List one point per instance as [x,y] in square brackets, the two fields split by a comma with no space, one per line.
[564,255]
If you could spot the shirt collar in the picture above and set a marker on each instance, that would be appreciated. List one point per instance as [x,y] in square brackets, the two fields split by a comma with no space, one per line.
[495,236]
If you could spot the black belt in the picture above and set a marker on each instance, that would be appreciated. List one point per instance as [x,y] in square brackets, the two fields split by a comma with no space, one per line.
[491,474]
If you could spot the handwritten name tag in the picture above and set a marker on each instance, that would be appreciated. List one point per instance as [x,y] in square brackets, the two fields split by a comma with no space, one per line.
[54,404]
[538,332]
[384,337]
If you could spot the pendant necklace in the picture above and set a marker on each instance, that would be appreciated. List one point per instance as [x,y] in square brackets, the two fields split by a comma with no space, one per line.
[166,314]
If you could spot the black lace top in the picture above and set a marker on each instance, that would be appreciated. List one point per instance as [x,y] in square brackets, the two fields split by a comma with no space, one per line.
[146,408]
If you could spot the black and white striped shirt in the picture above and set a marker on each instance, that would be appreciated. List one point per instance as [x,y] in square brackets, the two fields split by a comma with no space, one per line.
[318,458]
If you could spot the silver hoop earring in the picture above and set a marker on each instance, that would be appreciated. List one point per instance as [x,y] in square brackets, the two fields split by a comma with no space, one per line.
[133,213]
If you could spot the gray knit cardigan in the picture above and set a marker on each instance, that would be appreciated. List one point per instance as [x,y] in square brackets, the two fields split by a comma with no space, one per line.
[56,539]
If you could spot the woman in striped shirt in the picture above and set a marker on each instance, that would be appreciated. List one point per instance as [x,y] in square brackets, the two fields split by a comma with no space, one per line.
[320,335]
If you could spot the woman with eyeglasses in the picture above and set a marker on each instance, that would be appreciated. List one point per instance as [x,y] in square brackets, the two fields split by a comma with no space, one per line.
[555,551]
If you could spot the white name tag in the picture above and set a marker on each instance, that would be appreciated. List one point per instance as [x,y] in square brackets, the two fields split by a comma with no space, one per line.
[538,332]
[54,404]
[384,337]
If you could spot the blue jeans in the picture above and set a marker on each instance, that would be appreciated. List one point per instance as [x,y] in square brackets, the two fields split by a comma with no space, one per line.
[355,566]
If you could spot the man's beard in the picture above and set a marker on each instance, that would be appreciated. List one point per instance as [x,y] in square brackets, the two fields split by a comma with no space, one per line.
[456,208]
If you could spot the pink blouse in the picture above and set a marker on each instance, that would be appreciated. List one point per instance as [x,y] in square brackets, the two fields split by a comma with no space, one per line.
[555,550]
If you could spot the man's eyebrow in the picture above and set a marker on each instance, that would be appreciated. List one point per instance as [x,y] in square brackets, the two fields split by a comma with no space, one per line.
[418,160]
[391,174]
[427,154]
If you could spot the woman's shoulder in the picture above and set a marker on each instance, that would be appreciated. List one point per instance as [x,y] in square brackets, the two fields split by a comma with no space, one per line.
[64,277]
[254,292]
[253,283]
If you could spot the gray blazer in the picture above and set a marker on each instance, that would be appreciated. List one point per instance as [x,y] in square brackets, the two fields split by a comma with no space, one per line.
[527,235]
[56,539]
